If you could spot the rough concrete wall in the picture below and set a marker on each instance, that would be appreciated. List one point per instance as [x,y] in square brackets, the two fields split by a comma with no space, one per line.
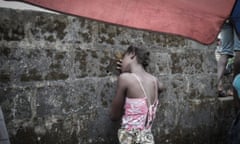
[58,79]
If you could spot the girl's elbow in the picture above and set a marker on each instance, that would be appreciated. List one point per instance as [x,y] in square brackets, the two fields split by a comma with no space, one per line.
[114,117]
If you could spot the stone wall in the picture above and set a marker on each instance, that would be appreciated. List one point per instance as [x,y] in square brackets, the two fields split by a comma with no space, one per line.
[58,78]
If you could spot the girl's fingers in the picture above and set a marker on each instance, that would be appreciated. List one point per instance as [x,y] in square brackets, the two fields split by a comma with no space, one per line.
[118,63]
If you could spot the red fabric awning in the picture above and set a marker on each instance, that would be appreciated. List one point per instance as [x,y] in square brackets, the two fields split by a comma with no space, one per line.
[199,20]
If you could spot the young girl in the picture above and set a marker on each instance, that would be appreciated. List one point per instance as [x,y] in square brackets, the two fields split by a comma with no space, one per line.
[136,98]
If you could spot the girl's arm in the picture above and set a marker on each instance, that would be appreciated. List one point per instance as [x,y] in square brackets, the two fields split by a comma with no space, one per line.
[119,99]
[161,87]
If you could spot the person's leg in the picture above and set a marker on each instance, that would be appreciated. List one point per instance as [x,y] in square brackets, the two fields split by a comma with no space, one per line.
[220,71]
[226,51]
[236,65]
[235,72]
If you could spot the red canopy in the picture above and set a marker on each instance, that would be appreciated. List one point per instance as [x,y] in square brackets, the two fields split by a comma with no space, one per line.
[200,20]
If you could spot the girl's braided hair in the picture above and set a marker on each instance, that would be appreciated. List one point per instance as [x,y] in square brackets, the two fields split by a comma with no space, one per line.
[143,56]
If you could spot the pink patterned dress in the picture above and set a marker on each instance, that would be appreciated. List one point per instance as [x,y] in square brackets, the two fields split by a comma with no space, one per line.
[137,119]
[137,114]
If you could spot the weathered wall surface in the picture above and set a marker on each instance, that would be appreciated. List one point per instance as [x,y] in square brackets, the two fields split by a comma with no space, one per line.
[58,78]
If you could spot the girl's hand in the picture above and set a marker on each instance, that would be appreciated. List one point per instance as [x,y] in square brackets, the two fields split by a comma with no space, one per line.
[119,65]
[118,57]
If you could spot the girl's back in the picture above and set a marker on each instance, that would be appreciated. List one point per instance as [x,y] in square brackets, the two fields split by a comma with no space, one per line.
[141,101]
[149,84]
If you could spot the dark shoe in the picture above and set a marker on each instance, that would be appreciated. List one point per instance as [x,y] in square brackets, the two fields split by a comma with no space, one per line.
[221,94]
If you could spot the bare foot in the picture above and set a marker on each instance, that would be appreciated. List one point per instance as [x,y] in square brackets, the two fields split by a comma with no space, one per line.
[230,92]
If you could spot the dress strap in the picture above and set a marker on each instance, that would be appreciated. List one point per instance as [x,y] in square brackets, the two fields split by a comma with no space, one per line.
[156,90]
[140,83]
[150,107]
[145,94]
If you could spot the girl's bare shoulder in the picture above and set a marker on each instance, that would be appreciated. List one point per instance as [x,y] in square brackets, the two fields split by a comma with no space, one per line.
[160,84]
[125,76]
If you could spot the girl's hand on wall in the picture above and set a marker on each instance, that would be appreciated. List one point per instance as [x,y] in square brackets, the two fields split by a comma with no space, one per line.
[118,56]
[119,65]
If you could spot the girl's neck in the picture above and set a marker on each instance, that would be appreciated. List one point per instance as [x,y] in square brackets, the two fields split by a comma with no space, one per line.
[137,69]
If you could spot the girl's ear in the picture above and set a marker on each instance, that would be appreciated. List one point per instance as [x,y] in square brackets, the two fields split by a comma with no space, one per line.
[133,55]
